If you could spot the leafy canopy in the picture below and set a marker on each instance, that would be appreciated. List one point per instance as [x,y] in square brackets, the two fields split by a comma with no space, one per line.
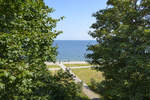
[27,32]
[122,31]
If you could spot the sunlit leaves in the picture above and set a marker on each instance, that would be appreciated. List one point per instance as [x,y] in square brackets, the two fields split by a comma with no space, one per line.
[27,32]
[26,37]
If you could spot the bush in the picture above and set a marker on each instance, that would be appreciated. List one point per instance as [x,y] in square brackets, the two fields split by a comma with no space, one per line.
[64,87]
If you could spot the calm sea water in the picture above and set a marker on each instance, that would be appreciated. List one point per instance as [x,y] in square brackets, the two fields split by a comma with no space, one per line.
[72,50]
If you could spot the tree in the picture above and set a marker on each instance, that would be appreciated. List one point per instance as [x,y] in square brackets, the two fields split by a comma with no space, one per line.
[122,52]
[64,87]
[27,32]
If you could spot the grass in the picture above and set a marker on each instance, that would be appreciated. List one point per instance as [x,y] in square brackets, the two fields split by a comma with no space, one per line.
[77,65]
[53,66]
[87,74]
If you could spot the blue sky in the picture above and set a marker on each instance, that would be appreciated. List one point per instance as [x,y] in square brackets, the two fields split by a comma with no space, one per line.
[78,17]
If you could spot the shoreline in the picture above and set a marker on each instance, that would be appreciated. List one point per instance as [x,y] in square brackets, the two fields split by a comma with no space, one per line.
[66,62]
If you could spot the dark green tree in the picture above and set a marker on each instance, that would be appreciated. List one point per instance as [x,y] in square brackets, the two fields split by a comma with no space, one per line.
[27,31]
[122,52]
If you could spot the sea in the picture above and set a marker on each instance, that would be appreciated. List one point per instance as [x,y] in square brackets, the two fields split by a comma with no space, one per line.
[72,50]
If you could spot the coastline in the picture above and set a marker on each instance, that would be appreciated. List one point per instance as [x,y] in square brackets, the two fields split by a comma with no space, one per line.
[66,62]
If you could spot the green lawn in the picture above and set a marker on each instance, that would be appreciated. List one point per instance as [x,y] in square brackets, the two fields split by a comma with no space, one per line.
[76,65]
[87,74]
[53,66]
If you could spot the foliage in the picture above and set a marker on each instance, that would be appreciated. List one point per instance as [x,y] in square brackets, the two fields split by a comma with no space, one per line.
[63,86]
[27,31]
[94,85]
[122,31]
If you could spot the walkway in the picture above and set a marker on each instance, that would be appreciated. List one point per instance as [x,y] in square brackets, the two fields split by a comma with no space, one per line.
[86,90]
[79,67]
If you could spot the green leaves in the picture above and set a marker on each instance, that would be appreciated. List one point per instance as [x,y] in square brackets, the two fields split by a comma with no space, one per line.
[64,87]
[122,52]
[27,32]
[6,74]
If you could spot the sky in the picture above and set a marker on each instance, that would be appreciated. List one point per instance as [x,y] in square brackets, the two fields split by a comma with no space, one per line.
[78,17]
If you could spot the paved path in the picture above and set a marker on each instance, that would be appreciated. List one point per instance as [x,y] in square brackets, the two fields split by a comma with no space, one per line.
[51,69]
[79,67]
[66,62]
[86,90]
